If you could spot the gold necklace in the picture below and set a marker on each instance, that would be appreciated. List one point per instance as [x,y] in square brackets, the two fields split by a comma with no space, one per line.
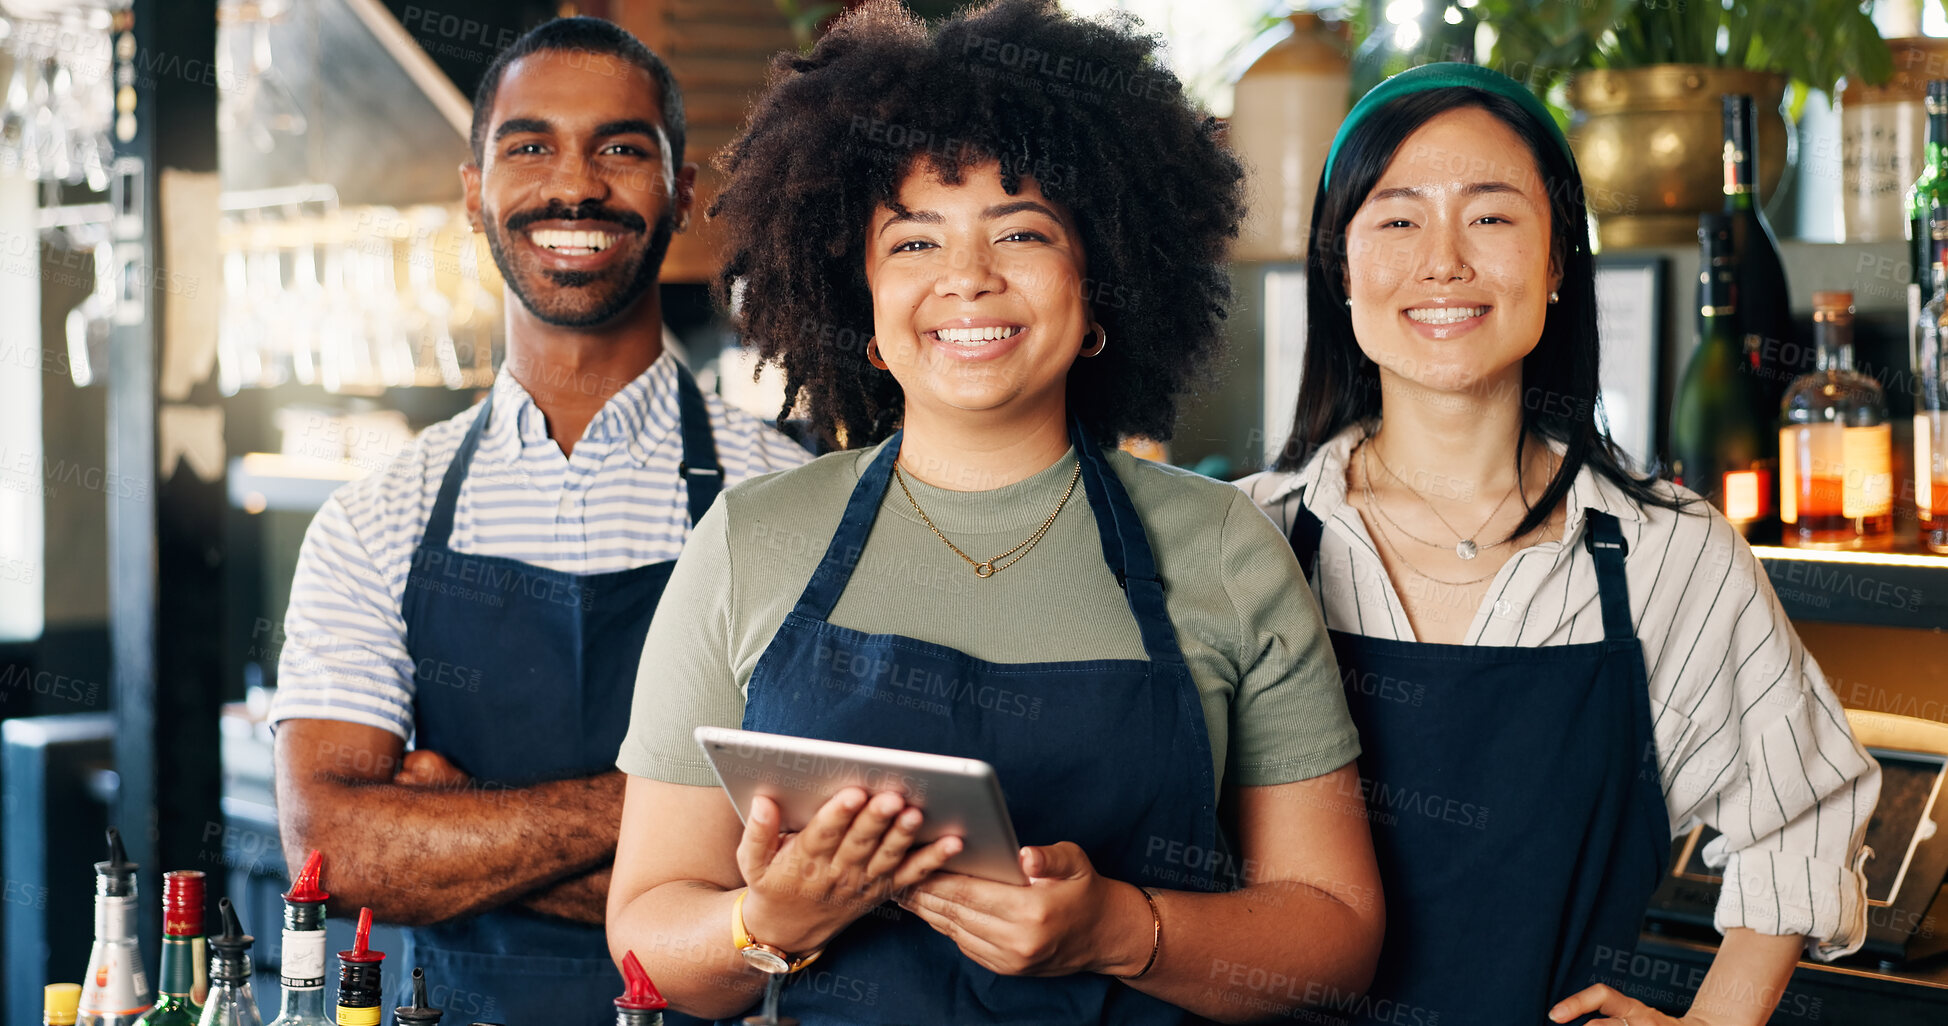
[987,568]
[1465,546]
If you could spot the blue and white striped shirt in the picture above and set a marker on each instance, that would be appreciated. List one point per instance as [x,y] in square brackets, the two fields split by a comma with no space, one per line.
[615,504]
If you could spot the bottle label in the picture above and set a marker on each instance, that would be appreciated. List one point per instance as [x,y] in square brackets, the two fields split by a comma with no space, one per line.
[1924,468]
[116,984]
[1868,456]
[180,958]
[358,1016]
[1788,476]
[304,958]
[114,918]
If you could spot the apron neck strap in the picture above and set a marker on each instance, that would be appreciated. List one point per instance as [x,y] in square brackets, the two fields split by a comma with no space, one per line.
[828,582]
[1304,535]
[1126,548]
[702,476]
[439,526]
[1603,536]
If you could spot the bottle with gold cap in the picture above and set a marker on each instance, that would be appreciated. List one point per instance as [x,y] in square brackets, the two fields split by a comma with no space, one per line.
[183,981]
[359,986]
[59,1003]
[116,989]
[1836,479]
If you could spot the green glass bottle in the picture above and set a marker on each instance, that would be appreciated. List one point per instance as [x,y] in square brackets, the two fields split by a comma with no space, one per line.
[1930,190]
[1716,445]
[184,978]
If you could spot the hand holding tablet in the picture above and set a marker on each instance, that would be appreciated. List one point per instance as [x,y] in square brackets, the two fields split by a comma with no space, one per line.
[960,797]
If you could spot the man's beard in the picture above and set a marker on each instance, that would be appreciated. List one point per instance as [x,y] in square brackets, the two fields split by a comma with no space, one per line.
[574,299]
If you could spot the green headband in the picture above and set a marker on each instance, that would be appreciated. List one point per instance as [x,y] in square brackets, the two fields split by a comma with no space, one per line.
[1444,75]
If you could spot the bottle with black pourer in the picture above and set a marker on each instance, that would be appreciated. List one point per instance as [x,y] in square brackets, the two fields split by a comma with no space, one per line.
[1764,299]
[640,1004]
[302,968]
[359,986]
[116,990]
[230,1002]
[1716,445]
[419,1013]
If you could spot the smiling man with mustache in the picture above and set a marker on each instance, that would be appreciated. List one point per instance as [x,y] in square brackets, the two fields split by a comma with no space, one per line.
[486,595]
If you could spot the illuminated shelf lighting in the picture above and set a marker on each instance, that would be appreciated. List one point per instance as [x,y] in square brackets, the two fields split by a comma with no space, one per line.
[1852,558]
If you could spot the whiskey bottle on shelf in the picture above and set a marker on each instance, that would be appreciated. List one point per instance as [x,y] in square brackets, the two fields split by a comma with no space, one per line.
[230,1002]
[359,986]
[1931,391]
[183,981]
[301,969]
[1717,446]
[116,990]
[1836,481]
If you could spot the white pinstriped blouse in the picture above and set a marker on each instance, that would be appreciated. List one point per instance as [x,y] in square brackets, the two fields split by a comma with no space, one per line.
[1750,739]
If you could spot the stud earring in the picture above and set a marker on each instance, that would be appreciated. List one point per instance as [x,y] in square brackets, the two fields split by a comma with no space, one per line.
[1554,296]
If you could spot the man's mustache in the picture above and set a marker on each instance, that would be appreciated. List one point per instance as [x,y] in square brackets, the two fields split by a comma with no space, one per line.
[623,219]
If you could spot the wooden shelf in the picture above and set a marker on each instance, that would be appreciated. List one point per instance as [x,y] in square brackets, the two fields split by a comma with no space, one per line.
[1906,587]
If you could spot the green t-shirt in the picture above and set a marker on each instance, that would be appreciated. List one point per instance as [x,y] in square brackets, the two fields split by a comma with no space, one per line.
[1249,627]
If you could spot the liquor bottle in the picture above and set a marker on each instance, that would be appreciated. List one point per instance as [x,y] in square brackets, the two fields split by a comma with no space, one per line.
[358,977]
[60,1002]
[640,1004]
[231,1003]
[183,981]
[1930,190]
[1716,444]
[302,968]
[1765,313]
[1836,483]
[1931,391]
[419,1013]
[116,990]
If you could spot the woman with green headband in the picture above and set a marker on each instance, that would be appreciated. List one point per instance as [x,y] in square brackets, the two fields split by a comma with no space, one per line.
[1554,662]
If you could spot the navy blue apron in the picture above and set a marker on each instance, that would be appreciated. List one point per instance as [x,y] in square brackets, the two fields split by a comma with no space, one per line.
[524,675]
[1111,754]
[1516,807]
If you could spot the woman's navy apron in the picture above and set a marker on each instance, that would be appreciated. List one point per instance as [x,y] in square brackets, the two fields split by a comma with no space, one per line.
[1111,754]
[1517,812]
[524,675]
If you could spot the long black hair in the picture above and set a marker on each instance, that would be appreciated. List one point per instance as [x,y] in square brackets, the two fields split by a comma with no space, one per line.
[1340,386]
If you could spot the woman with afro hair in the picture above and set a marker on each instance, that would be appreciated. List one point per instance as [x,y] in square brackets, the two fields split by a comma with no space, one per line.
[983,255]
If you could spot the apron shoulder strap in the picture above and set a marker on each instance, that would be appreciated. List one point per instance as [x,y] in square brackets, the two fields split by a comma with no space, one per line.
[828,582]
[1126,548]
[1304,535]
[703,477]
[1603,537]
[439,526]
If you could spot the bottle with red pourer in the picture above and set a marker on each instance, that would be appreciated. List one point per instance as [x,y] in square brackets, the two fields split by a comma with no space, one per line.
[358,977]
[640,1004]
[302,968]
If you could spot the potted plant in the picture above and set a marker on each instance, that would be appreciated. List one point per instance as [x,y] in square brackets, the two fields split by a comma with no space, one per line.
[1642,81]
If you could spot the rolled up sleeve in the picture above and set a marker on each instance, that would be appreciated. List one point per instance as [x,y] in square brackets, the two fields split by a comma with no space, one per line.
[1767,759]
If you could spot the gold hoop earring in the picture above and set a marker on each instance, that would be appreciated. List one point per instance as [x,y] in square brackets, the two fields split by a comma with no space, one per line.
[1102,340]
[872,353]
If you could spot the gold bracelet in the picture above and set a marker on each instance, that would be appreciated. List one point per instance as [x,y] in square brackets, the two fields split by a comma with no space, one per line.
[1156,939]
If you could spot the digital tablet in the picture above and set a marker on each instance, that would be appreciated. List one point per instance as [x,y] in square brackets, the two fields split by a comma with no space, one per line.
[961,797]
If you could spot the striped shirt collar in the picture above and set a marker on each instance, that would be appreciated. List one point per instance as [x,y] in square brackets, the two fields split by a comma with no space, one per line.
[1324,479]
[640,414]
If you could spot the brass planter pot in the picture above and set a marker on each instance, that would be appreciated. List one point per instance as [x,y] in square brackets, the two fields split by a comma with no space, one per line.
[1650,145]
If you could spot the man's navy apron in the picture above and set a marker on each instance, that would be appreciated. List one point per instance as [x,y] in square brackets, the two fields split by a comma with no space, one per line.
[1111,754]
[1517,812]
[524,675]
